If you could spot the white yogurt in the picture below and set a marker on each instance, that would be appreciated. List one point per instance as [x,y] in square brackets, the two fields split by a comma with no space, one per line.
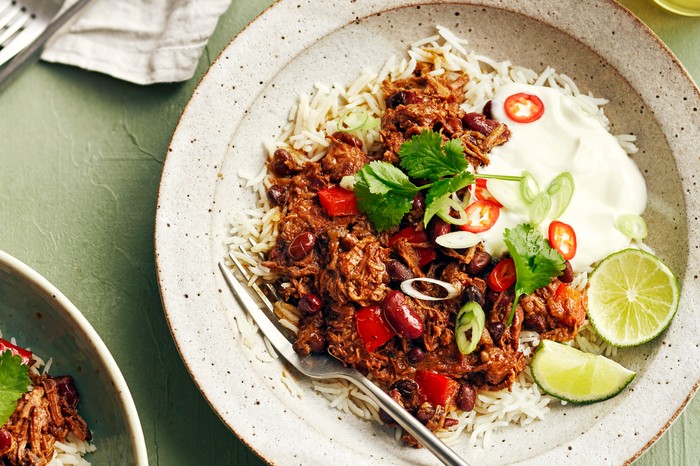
[565,139]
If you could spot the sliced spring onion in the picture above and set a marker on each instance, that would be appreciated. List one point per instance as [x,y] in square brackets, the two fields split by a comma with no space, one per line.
[356,119]
[407,287]
[458,240]
[469,326]
[456,206]
[528,187]
[631,225]
[561,189]
[347,182]
[539,207]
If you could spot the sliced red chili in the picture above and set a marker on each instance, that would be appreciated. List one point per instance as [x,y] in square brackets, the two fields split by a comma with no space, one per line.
[26,355]
[523,108]
[481,215]
[436,389]
[414,235]
[482,193]
[562,237]
[502,276]
[372,328]
[337,201]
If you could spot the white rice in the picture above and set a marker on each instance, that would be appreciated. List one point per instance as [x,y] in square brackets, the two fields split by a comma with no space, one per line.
[319,114]
[71,452]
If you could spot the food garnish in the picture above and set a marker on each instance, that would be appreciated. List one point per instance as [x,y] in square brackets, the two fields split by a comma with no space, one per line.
[536,262]
[632,297]
[631,225]
[575,376]
[481,215]
[469,326]
[385,193]
[562,237]
[523,108]
[407,287]
[13,382]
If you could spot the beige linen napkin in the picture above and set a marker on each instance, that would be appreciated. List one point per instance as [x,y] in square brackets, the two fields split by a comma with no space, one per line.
[142,41]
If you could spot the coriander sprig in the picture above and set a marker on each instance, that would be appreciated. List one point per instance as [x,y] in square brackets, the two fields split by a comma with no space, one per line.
[385,193]
[536,262]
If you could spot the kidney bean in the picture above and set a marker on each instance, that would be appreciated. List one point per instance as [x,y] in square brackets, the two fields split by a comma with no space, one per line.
[348,139]
[478,122]
[400,317]
[310,304]
[425,413]
[277,194]
[497,330]
[402,98]
[415,355]
[473,293]
[466,397]
[386,419]
[65,385]
[479,262]
[567,275]
[418,202]
[316,342]
[301,246]
[283,163]
[438,227]
[398,271]
[487,111]
[5,440]
[406,387]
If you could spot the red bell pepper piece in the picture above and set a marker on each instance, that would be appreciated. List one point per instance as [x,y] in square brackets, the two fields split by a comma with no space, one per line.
[415,236]
[436,389]
[26,355]
[337,201]
[372,328]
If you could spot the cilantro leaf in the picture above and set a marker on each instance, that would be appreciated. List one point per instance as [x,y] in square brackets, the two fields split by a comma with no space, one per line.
[14,382]
[425,157]
[536,262]
[384,193]
[437,199]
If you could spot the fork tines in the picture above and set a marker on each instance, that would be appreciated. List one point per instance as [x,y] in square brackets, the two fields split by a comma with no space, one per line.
[13,20]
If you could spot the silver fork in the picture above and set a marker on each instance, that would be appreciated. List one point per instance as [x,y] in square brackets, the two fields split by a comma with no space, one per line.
[22,21]
[327,367]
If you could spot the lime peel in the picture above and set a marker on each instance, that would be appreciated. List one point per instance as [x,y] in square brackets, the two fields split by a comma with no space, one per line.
[577,377]
[632,298]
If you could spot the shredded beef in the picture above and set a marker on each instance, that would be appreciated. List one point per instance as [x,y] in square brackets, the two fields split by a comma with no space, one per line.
[353,266]
[44,415]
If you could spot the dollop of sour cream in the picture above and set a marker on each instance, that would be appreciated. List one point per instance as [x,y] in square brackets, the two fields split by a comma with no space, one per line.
[607,182]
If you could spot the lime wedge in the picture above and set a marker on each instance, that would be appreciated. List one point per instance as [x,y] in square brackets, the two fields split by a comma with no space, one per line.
[632,297]
[572,375]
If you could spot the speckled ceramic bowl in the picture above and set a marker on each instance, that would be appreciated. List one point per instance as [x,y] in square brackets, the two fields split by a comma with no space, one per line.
[39,316]
[245,98]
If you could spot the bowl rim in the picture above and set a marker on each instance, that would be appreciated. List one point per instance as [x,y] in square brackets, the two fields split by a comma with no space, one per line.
[180,140]
[64,306]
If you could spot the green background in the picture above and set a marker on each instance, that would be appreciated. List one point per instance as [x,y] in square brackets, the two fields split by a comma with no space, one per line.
[80,163]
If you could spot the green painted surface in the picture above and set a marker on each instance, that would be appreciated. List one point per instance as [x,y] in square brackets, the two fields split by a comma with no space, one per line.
[80,163]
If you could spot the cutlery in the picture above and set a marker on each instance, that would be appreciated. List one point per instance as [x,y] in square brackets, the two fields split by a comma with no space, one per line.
[327,367]
[36,22]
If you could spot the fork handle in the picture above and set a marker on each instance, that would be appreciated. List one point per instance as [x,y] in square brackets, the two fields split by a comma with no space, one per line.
[426,438]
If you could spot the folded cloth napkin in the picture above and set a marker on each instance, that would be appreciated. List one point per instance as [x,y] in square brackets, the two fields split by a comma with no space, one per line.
[142,41]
